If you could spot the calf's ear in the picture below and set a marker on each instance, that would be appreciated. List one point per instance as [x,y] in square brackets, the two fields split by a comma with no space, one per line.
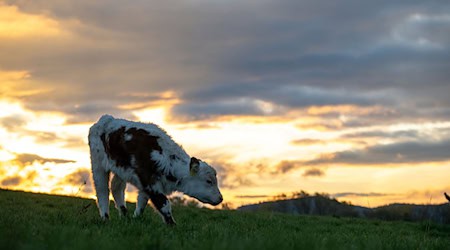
[194,166]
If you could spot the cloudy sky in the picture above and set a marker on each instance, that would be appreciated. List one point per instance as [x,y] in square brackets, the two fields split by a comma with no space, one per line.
[350,98]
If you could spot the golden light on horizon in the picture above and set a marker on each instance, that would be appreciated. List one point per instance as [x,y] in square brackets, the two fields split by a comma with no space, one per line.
[216,142]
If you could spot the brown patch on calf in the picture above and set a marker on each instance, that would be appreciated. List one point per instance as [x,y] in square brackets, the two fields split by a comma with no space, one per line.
[140,145]
[115,147]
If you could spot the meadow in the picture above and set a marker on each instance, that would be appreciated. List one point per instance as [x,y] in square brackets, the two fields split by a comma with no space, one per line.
[40,221]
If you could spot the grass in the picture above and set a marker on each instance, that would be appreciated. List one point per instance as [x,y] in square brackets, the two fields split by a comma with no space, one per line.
[39,221]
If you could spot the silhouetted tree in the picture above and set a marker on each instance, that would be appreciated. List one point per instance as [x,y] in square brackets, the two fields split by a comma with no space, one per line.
[226,206]
[281,196]
[301,194]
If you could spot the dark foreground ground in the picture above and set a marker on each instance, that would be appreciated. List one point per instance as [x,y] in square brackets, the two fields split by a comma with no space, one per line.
[38,221]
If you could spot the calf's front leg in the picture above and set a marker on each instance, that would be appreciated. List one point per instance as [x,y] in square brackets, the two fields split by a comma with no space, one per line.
[142,201]
[162,204]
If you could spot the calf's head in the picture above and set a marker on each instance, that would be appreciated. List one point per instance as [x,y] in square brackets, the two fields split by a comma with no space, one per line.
[202,183]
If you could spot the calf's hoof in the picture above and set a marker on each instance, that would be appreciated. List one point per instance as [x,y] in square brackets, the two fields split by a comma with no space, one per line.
[105,217]
[123,211]
[170,221]
[137,214]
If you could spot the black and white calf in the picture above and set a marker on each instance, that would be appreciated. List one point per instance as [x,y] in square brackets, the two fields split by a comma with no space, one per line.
[145,156]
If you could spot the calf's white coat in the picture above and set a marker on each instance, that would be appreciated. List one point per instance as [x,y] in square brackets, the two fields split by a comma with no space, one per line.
[175,169]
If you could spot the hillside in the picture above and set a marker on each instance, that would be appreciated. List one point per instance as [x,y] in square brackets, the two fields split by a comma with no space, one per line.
[319,205]
[39,221]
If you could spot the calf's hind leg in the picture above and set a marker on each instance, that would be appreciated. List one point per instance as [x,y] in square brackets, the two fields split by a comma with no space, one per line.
[101,181]
[118,191]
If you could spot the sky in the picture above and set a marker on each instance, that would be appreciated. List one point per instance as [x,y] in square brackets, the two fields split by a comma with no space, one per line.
[349,98]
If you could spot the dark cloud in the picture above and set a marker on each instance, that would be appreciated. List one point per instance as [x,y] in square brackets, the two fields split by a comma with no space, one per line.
[322,126]
[282,94]
[201,111]
[229,177]
[287,166]
[402,152]
[81,178]
[19,180]
[352,194]
[313,172]
[44,137]
[26,159]
[291,54]
[336,119]
[234,181]
[13,123]
[248,99]
[394,116]
[408,134]
[12,181]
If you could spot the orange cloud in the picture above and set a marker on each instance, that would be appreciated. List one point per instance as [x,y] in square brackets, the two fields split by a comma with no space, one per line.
[27,159]
[147,101]
[345,109]
[16,84]
[16,24]
[81,179]
[20,180]
[308,142]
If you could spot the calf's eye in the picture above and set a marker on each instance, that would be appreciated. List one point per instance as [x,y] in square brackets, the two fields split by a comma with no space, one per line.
[209,182]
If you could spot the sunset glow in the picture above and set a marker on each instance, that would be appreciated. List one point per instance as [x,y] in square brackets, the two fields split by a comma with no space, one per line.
[362,114]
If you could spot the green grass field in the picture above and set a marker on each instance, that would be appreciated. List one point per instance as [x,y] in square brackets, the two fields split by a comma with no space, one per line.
[38,221]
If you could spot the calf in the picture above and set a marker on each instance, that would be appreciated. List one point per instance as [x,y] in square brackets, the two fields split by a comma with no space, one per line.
[145,156]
